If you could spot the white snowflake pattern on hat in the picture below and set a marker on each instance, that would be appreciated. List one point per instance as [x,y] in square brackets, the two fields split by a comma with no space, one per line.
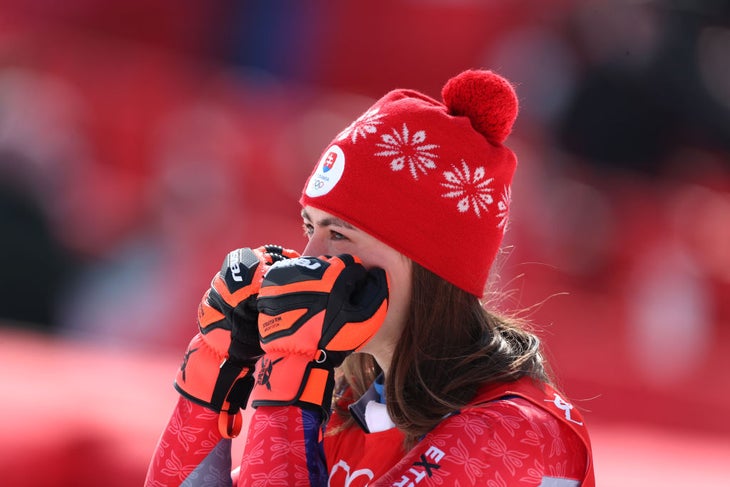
[406,150]
[503,206]
[366,124]
[472,190]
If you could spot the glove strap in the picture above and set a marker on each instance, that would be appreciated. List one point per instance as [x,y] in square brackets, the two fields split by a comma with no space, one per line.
[226,392]
[229,425]
[234,397]
[233,386]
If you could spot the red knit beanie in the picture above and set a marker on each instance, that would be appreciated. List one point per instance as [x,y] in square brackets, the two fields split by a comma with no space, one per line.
[432,180]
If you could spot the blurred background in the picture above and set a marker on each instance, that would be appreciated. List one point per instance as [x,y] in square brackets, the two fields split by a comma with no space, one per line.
[141,141]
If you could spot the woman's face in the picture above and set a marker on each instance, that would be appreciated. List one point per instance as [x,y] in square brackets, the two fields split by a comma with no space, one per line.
[329,235]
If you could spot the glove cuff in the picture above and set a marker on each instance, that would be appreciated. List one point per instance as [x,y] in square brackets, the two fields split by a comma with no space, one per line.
[208,379]
[293,380]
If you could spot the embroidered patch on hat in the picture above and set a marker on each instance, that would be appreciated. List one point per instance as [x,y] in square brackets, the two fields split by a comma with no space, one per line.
[328,173]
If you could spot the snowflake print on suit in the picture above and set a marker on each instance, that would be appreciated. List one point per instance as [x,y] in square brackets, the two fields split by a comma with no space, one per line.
[406,150]
[472,190]
[191,451]
[491,452]
[366,124]
[503,207]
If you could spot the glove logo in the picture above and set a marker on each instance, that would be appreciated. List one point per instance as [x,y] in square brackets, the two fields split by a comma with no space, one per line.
[264,376]
[306,263]
[184,365]
[234,265]
[236,272]
[311,264]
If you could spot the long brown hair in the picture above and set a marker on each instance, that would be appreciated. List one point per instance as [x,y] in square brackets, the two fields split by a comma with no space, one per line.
[450,347]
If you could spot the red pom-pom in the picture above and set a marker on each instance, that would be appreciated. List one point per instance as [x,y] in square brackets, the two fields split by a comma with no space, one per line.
[486,98]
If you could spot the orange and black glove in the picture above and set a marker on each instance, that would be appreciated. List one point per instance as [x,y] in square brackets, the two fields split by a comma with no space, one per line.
[217,369]
[314,312]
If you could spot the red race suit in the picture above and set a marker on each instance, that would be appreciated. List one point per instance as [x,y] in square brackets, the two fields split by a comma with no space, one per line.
[512,434]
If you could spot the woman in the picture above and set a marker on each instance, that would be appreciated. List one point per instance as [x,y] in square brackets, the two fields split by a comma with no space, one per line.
[406,211]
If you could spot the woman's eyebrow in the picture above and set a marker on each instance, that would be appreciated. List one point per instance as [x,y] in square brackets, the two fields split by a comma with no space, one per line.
[328,221]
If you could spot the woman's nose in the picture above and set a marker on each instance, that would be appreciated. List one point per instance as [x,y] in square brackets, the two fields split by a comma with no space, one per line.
[315,247]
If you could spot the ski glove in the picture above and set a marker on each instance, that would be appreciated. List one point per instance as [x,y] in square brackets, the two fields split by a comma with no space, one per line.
[217,369]
[314,312]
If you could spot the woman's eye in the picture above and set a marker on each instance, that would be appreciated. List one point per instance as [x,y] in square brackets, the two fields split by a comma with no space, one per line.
[308,229]
[337,235]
